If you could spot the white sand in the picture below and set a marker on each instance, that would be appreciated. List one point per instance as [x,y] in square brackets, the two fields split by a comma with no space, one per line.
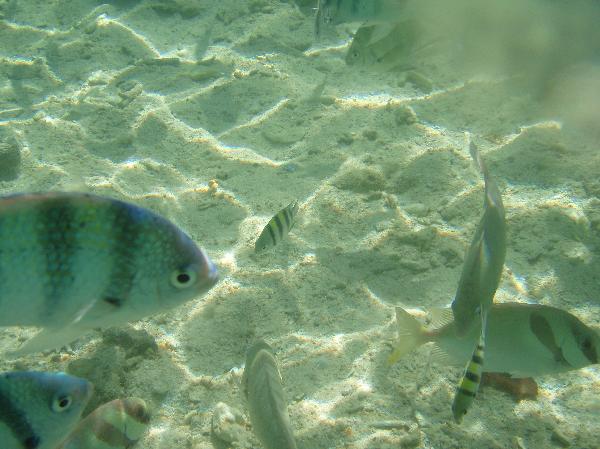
[149,100]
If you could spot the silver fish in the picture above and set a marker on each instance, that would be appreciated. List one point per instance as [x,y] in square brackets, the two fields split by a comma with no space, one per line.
[524,340]
[38,409]
[118,424]
[277,227]
[333,12]
[75,261]
[485,257]
[261,383]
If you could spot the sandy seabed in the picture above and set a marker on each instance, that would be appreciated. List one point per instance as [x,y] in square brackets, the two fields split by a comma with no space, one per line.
[150,100]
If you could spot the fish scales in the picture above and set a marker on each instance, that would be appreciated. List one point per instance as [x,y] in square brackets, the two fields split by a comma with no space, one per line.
[37,409]
[266,402]
[90,261]
[277,227]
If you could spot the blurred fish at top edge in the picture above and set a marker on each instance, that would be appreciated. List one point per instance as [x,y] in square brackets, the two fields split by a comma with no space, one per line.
[76,261]
[38,409]
[333,12]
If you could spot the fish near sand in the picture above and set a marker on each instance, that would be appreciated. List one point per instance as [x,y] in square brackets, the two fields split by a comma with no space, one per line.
[469,383]
[70,262]
[333,12]
[38,409]
[523,340]
[277,227]
[262,388]
[118,424]
[484,259]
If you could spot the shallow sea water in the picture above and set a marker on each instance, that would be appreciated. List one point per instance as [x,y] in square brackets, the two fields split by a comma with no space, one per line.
[149,101]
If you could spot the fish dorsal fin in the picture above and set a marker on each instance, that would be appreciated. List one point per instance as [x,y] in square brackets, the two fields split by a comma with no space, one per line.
[440,317]
[441,357]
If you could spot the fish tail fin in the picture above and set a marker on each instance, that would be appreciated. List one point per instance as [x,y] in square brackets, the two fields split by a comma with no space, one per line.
[411,334]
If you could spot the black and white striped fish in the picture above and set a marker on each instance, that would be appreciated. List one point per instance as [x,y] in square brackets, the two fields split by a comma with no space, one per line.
[262,387]
[277,227]
[118,424]
[470,381]
[70,262]
[484,259]
[37,409]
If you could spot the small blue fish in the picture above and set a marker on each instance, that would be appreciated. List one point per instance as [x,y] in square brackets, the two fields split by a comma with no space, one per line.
[37,409]
[75,261]
[118,424]
[277,227]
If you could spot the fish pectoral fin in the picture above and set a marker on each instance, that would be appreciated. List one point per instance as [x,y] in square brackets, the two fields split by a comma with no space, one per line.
[49,338]
[441,357]
[83,311]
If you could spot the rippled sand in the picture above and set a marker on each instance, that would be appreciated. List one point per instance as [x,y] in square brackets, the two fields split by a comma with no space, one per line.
[150,100]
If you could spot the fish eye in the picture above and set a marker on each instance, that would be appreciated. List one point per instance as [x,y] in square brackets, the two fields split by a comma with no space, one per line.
[183,278]
[61,403]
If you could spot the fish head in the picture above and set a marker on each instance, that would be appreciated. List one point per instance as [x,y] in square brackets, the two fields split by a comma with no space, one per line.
[186,274]
[53,402]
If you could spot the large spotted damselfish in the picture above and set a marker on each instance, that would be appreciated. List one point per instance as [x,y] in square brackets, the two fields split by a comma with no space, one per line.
[37,409]
[70,262]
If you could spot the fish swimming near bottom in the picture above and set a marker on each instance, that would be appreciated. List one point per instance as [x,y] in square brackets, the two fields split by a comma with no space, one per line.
[523,340]
[75,261]
[277,227]
[262,388]
[118,424]
[38,409]
[470,381]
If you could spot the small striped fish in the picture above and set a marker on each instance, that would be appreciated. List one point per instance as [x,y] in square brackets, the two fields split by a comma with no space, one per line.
[484,259]
[38,409]
[75,261]
[469,384]
[277,227]
[262,387]
[118,424]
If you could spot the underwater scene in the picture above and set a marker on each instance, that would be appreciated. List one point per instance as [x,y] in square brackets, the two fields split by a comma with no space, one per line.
[312,224]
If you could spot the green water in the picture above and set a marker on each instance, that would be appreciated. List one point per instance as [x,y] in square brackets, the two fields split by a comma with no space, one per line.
[149,101]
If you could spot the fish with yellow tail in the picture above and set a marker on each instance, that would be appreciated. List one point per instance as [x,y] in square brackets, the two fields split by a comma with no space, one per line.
[277,228]
[524,340]
[484,260]
[75,261]
[470,381]
[118,424]
[38,409]
[262,388]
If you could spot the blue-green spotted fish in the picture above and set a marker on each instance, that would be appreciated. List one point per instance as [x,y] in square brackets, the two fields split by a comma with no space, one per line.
[118,424]
[70,262]
[277,227]
[38,409]
[262,388]
[484,260]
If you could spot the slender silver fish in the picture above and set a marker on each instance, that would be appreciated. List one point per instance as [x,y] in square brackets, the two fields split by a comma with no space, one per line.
[484,260]
[75,261]
[524,340]
[118,424]
[277,227]
[37,409]
[261,383]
